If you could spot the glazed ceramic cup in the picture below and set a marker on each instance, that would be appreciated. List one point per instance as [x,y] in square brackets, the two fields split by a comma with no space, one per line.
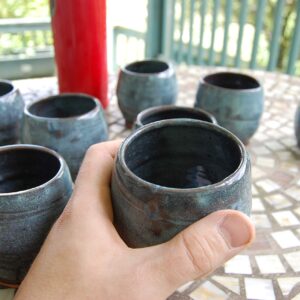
[66,123]
[236,100]
[171,173]
[166,112]
[144,84]
[35,185]
[297,125]
[11,111]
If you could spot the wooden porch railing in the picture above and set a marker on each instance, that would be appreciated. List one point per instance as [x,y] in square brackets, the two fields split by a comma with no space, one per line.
[255,34]
[25,48]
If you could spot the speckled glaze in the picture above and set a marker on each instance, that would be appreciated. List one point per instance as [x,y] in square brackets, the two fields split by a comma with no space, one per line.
[166,112]
[171,173]
[66,123]
[11,111]
[297,125]
[236,100]
[35,186]
[145,84]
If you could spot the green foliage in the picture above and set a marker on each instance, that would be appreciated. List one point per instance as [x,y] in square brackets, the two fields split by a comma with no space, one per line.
[24,8]
[28,42]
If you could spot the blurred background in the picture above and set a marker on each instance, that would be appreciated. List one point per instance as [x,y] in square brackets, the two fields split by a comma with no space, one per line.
[255,34]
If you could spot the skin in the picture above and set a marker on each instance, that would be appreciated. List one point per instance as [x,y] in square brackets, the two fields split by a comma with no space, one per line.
[83,256]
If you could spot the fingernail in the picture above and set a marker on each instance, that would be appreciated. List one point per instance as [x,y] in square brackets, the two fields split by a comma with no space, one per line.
[236,230]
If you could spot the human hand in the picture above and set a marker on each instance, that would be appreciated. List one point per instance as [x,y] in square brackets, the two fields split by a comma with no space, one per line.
[84,258]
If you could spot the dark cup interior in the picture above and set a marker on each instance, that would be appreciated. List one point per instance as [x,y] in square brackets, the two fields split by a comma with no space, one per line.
[234,81]
[174,113]
[22,169]
[147,67]
[5,88]
[63,106]
[183,156]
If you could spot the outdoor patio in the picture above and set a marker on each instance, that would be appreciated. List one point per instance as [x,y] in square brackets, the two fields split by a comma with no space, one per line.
[259,38]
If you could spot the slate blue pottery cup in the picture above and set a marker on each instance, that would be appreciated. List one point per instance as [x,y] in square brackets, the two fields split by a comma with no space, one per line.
[236,100]
[11,111]
[35,185]
[166,112]
[171,173]
[145,84]
[66,123]
[297,125]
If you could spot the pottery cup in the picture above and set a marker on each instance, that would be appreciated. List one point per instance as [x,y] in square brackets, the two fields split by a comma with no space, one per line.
[35,185]
[236,100]
[66,123]
[171,173]
[11,111]
[144,84]
[166,112]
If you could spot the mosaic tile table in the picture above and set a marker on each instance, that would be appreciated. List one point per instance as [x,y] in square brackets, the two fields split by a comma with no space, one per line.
[270,268]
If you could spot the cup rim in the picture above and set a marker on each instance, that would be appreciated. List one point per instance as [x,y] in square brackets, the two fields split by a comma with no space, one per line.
[35,148]
[230,179]
[163,73]
[14,88]
[63,95]
[162,108]
[203,80]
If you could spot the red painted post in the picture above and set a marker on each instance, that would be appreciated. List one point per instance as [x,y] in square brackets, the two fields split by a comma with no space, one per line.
[79,31]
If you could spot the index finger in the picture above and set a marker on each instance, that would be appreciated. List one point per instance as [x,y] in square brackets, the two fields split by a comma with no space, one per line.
[92,186]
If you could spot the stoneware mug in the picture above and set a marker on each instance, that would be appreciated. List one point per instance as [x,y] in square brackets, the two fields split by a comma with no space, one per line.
[171,173]
[66,123]
[236,100]
[11,111]
[297,125]
[144,84]
[166,112]
[35,185]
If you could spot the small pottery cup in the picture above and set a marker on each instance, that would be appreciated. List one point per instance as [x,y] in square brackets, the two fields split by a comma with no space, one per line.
[66,123]
[144,84]
[297,125]
[11,111]
[236,100]
[166,112]
[171,173]
[35,186]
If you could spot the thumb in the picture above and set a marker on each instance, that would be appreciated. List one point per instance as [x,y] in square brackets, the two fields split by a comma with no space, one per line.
[200,249]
